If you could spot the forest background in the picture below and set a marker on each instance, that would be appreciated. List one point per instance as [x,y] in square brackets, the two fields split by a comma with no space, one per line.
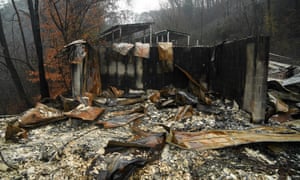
[32,32]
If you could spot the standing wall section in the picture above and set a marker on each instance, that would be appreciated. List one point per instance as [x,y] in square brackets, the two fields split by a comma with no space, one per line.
[236,70]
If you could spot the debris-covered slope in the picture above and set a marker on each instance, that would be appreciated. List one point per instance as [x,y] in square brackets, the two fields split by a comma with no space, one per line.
[132,138]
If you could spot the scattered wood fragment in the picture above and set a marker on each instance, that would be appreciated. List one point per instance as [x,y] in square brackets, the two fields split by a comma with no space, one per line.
[120,120]
[198,89]
[183,112]
[14,132]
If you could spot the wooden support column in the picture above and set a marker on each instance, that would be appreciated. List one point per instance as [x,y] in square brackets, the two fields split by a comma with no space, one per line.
[168,36]
[150,35]
[255,91]
[120,34]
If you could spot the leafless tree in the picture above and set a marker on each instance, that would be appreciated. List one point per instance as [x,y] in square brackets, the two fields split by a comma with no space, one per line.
[28,63]
[35,24]
[10,66]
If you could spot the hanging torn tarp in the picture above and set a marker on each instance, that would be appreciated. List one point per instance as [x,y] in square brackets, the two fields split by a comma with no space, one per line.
[165,54]
[122,48]
[142,50]
[215,139]
[165,50]
[87,113]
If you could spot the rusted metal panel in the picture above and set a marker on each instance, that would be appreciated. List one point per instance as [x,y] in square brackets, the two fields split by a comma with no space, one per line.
[87,113]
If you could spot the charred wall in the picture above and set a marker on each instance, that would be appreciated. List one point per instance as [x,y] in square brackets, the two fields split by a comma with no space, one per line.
[228,69]
[236,69]
[139,73]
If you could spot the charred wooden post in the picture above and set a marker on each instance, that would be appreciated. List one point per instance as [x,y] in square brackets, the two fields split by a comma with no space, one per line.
[255,90]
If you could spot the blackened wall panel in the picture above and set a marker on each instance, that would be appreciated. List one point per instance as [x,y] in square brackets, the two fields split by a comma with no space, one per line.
[225,69]
[227,75]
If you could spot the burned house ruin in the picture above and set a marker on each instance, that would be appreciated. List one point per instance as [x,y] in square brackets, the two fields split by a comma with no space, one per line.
[144,106]
[236,70]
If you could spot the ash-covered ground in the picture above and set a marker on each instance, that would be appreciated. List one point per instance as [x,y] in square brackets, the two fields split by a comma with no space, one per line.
[76,149]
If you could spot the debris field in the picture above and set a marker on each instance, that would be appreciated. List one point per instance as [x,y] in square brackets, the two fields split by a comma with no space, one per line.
[153,134]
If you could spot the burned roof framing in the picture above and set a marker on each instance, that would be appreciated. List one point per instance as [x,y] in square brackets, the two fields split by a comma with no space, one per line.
[143,32]
[119,33]
[168,35]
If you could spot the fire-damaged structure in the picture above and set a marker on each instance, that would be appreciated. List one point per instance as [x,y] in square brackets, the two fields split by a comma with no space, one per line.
[85,68]
[128,33]
[139,111]
[237,70]
[177,38]
[143,32]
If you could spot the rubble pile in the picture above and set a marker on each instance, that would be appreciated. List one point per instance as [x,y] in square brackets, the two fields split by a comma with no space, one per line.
[157,134]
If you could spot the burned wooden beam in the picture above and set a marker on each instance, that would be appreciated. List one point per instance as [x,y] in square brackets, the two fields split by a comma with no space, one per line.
[199,89]
[216,139]
[155,141]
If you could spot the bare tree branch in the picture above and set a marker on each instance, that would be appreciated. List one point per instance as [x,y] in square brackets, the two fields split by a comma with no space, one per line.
[22,35]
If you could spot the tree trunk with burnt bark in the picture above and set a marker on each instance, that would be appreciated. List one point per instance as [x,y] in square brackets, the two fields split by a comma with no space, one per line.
[11,68]
[35,23]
